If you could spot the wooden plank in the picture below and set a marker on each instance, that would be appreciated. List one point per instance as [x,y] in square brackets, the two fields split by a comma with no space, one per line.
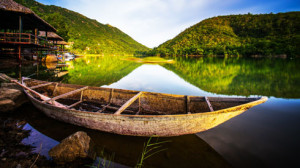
[208,103]
[128,103]
[103,108]
[116,108]
[81,95]
[45,98]
[74,104]
[41,85]
[67,94]
[222,99]
[54,90]
[187,104]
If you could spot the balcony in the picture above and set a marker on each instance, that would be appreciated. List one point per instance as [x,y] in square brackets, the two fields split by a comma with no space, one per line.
[26,39]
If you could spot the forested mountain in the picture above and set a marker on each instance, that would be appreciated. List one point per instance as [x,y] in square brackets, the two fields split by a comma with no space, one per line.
[88,35]
[235,35]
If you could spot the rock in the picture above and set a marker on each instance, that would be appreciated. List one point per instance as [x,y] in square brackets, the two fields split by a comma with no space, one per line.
[11,86]
[3,76]
[11,94]
[77,145]
[7,105]
[11,99]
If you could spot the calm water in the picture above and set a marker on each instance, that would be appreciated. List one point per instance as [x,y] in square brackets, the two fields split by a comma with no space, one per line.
[264,136]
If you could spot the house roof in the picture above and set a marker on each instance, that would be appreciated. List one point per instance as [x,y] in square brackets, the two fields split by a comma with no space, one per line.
[10,12]
[51,36]
[62,43]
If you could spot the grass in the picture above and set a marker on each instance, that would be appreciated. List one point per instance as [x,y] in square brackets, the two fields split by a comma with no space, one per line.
[149,150]
[149,60]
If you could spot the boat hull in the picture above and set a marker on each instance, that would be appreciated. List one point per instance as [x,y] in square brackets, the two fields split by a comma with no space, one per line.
[143,125]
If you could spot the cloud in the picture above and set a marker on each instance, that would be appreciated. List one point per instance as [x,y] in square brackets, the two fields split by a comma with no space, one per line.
[152,22]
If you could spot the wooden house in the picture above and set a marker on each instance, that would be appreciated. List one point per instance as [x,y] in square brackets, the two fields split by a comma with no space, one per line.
[19,28]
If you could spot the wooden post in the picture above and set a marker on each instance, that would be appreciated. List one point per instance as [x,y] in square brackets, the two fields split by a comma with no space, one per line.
[46,35]
[19,48]
[20,72]
[20,28]
[128,103]
[36,36]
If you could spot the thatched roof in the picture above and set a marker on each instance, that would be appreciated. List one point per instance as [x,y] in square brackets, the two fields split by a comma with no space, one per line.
[11,6]
[62,43]
[51,36]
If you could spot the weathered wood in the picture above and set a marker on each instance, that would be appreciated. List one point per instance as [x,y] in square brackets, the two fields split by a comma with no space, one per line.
[66,94]
[54,90]
[187,104]
[128,103]
[41,85]
[45,98]
[139,105]
[151,121]
[208,103]
[81,95]
[103,108]
[74,104]
[116,108]
[111,95]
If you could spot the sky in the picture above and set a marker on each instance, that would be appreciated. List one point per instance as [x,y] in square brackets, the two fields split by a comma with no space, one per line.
[152,22]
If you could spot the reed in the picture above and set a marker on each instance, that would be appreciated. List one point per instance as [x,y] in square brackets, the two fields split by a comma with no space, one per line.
[149,150]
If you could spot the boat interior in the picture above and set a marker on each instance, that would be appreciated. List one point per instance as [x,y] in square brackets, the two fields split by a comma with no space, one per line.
[118,101]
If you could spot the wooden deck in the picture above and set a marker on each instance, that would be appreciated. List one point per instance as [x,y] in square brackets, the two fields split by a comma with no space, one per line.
[25,39]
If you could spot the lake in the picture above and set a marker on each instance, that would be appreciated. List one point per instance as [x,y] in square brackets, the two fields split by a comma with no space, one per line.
[266,135]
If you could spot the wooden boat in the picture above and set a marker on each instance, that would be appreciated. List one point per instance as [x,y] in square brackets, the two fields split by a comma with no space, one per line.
[134,113]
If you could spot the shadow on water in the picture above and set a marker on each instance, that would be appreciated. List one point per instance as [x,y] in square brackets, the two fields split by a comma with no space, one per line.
[182,151]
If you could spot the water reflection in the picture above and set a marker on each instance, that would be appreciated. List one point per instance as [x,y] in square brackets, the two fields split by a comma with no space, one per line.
[97,71]
[264,136]
[201,76]
[183,151]
[241,76]
[155,78]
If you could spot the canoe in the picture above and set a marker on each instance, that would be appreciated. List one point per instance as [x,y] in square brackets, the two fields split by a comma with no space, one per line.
[133,113]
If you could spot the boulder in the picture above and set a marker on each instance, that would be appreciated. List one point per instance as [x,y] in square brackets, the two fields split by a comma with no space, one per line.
[4,78]
[11,99]
[11,86]
[11,94]
[76,146]
[6,105]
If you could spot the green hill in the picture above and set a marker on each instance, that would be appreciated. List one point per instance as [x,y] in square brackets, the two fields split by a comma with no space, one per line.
[88,35]
[235,35]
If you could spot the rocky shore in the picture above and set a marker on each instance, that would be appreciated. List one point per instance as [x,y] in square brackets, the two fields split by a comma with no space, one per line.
[11,95]
[74,151]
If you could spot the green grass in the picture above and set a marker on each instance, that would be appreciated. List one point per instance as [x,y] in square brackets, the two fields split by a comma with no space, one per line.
[149,60]
[149,150]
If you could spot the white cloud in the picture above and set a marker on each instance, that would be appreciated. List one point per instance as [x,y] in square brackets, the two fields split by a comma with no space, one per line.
[152,22]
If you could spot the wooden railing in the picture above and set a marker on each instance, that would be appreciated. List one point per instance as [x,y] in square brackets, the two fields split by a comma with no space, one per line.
[25,38]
